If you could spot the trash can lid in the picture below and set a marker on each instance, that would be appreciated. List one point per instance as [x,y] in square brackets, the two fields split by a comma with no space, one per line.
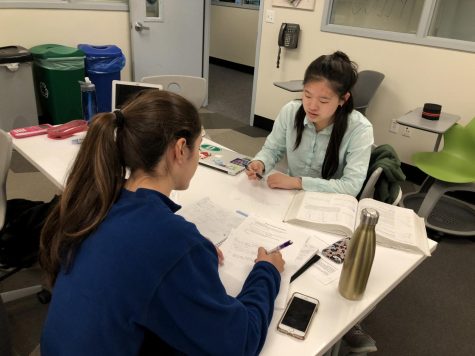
[100,51]
[55,51]
[14,54]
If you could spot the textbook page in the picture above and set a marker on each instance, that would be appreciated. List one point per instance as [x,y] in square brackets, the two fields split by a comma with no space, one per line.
[240,251]
[212,220]
[329,212]
[398,227]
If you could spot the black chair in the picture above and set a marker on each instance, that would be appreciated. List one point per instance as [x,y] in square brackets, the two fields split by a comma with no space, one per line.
[18,218]
[5,339]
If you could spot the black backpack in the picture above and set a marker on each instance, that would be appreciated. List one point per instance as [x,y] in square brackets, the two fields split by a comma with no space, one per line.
[20,236]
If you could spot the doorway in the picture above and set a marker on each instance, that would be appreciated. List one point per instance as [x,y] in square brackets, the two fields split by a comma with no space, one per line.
[233,38]
[168,37]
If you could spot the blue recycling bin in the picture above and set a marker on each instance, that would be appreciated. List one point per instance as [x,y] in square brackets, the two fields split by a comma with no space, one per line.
[103,65]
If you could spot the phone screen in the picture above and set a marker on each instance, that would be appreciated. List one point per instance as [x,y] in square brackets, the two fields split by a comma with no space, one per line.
[299,314]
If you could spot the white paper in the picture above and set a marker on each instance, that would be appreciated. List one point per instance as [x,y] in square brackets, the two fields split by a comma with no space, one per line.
[324,270]
[213,221]
[258,197]
[240,251]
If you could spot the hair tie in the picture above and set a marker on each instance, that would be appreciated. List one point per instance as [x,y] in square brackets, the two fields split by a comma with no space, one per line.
[119,118]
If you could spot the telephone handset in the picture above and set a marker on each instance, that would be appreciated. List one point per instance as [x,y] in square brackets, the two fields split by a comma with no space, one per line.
[288,37]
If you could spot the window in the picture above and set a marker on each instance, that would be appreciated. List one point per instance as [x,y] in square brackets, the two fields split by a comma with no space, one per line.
[250,4]
[119,5]
[439,23]
[454,19]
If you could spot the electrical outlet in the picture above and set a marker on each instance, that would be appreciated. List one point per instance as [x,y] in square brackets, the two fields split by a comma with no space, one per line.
[394,128]
[406,132]
[270,15]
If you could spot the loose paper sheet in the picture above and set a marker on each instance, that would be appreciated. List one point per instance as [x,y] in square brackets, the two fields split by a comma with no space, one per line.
[213,221]
[240,251]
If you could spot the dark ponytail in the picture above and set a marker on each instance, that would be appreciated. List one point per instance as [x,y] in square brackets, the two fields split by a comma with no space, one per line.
[342,74]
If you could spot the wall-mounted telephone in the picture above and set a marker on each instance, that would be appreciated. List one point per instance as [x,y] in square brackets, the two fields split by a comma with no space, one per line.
[288,37]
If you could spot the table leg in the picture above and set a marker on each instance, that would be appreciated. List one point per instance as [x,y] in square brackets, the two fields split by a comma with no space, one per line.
[437,142]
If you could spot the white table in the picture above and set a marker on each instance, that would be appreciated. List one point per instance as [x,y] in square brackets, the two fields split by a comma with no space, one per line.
[414,119]
[335,316]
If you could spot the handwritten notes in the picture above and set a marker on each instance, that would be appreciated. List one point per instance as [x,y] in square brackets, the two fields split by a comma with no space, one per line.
[240,251]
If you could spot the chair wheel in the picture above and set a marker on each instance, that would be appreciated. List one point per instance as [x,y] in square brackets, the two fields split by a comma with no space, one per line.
[44,296]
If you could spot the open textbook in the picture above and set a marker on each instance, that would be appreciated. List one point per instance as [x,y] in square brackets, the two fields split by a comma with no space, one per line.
[397,227]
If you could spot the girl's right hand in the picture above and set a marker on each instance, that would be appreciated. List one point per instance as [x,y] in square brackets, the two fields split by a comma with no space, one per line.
[254,167]
[274,258]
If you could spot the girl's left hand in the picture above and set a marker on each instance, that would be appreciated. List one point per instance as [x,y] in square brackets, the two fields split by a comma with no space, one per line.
[283,181]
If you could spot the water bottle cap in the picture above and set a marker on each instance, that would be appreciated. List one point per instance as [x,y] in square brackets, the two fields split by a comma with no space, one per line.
[87,85]
[369,216]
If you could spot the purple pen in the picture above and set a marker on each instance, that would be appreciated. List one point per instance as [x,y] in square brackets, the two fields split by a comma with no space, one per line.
[280,247]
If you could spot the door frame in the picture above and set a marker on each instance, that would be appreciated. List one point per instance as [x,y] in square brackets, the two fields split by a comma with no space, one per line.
[256,62]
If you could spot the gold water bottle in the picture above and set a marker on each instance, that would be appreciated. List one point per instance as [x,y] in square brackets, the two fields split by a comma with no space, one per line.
[359,257]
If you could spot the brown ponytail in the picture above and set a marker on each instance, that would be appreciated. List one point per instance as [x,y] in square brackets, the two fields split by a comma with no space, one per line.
[134,138]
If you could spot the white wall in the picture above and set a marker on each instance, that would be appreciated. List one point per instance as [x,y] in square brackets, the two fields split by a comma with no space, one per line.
[31,27]
[414,75]
[233,34]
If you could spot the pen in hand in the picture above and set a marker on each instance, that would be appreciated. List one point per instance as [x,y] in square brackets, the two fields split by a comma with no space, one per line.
[280,247]
[259,176]
[305,266]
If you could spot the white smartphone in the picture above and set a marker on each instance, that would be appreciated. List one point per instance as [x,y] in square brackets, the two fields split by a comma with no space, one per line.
[298,315]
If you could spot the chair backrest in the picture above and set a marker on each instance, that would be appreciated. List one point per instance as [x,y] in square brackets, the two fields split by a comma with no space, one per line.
[454,163]
[471,128]
[365,88]
[5,157]
[459,142]
[192,88]
[386,157]
[368,189]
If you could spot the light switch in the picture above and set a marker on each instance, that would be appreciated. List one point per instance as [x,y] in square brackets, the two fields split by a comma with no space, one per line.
[270,15]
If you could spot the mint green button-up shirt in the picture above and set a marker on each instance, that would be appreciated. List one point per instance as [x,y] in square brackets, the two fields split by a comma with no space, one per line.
[307,160]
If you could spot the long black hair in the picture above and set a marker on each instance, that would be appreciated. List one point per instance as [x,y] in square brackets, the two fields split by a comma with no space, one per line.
[341,73]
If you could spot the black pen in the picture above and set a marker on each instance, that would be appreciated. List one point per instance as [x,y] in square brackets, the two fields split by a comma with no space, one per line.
[305,266]
[257,174]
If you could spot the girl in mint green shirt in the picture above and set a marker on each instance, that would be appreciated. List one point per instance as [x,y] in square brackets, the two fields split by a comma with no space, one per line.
[328,144]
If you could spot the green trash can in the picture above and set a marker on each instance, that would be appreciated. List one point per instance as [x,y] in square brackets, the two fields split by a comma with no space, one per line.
[57,72]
